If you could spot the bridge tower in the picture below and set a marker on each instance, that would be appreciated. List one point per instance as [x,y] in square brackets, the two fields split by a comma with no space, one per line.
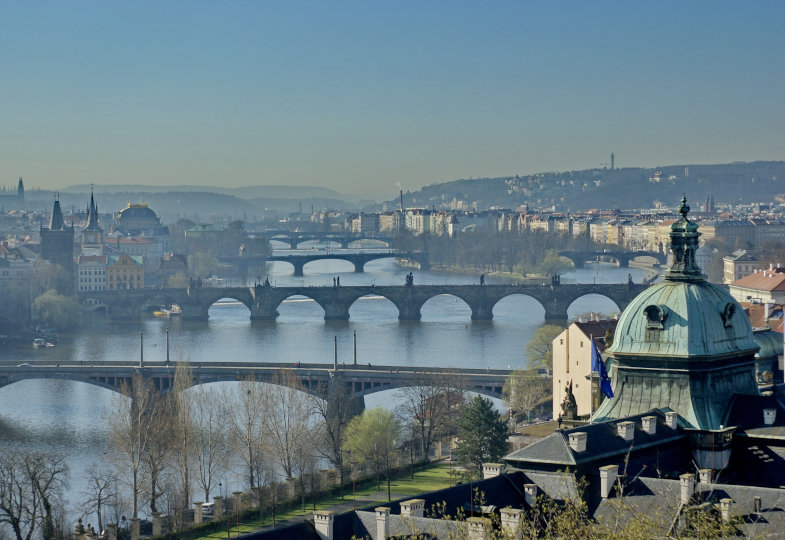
[57,241]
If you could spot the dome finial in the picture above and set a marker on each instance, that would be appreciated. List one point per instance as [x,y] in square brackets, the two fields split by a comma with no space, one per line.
[684,209]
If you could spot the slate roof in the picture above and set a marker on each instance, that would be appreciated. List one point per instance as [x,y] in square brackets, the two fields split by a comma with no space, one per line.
[659,499]
[602,443]
[765,280]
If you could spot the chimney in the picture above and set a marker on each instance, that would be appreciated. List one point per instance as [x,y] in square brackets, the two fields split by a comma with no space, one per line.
[756,502]
[511,519]
[649,424]
[477,528]
[492,470]
[671,420]
[608,475]
[382,522]
[412,508]
[578,441]
[705,476]
[687,483]
[769,415]
[626,430]
[725,505]
[323,522]
[530,492]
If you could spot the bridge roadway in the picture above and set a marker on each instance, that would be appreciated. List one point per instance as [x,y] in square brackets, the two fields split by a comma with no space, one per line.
[263,301]
[358,380]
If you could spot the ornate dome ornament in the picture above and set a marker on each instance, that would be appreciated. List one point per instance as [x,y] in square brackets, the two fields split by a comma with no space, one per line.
[684,245]
[683,343]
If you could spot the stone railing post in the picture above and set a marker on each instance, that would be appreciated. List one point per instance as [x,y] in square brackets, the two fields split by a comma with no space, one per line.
[112,528]
[218,506]
[156,523]
[197,512]
[135,528]
[238,501]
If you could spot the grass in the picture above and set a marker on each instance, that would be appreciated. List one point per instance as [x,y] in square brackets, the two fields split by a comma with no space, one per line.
[427,478]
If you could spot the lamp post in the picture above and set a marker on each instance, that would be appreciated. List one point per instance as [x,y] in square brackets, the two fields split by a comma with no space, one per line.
[141,349]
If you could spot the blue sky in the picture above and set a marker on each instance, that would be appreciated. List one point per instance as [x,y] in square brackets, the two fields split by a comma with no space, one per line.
[359,96]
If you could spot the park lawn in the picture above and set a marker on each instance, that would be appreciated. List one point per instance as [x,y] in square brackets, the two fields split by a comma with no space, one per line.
[428,478]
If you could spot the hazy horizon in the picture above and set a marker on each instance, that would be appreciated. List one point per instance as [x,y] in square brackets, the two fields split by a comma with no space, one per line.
[359,97]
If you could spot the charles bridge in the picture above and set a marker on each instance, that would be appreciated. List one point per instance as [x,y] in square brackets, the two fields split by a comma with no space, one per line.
[354,381]
[263,301]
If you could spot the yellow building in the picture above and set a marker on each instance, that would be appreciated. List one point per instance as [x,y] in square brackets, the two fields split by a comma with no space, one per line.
[124,272]
[572,364]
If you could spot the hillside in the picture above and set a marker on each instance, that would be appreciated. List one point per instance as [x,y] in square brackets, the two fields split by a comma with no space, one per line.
[604,188]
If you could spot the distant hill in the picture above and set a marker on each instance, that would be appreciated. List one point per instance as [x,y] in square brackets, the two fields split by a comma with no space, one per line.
[625,188]
[247,192]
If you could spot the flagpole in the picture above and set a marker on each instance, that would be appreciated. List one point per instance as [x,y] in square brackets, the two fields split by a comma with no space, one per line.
[591,377]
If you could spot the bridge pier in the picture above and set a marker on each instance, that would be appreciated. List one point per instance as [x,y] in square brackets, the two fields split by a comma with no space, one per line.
[264,313]
[482,311]
[335,311]
[298,269]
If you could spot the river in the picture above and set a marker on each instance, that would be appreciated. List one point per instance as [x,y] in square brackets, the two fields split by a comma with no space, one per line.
[66,416]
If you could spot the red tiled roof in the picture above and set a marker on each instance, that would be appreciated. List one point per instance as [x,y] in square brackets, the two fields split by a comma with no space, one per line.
[767,280]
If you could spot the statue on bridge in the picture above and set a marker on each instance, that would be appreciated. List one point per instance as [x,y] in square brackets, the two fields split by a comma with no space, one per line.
[409,279]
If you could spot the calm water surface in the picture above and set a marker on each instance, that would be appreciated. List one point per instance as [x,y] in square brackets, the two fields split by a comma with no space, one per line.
[66,416]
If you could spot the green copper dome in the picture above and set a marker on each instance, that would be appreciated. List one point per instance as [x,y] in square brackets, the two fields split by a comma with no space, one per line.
[686,320]
[684,317]
[685,344]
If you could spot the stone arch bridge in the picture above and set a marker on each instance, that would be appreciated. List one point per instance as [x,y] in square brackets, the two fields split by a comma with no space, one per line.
[294,239]
[622,258]
[359,260]
[263,301]
[355,381]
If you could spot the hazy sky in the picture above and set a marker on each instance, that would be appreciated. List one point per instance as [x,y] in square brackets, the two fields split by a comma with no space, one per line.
[358,96]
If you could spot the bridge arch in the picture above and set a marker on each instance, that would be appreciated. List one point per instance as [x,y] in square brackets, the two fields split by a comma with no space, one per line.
[301,304]
[212,300]
[455,307]
[593,302]
[355,266]
[373,307]
[498,307]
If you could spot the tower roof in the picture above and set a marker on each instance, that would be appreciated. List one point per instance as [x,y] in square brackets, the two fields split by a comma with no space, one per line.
[56,222]
[92,215]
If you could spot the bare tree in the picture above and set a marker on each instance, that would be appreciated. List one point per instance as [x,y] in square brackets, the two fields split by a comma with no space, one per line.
[31,485]
[287,419]
[523,390]
[430,406]
[101,490]
[183,427]
[133,418]
[333,406]
[247,430]
[210,436]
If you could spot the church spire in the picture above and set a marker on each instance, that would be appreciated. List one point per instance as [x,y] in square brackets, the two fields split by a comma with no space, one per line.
[92,215]
[684,245]
[57,223]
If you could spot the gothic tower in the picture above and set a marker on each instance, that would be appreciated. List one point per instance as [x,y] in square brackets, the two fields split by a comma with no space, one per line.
[92,242]
[57,240]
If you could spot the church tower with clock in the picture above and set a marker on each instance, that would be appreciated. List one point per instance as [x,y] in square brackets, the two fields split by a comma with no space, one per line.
[92,235]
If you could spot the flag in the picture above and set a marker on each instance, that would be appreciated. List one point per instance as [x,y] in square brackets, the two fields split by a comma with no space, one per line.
[598,366]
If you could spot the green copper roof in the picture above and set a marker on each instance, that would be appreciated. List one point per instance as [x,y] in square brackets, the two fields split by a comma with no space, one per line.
[685,320]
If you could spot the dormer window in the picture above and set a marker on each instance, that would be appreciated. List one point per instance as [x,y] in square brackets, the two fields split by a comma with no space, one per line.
[727,314]
[655,317]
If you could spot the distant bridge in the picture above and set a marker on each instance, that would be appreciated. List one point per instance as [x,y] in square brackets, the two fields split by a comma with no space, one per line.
[263,301]
[294,239]
[357,380]
[622,258]
[357,259]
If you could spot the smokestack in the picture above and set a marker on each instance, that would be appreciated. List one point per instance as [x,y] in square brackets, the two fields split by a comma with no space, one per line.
[401,201]
[612,161]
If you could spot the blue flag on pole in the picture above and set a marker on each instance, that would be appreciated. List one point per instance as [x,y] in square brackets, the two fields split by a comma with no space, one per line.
[598,366]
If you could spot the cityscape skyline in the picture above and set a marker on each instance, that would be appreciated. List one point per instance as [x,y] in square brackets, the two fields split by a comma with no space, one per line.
[361,98]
